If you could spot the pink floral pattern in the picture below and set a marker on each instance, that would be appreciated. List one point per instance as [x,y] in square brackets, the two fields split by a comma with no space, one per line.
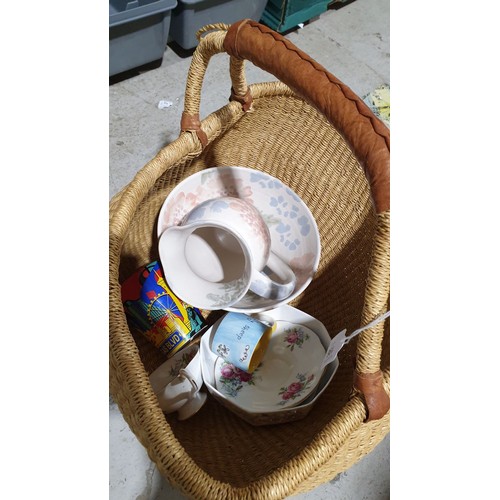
[253,218]
[233,379]
[224,184]
[213,186]
[304,267]
[179,207]
[295,337]
[295,389]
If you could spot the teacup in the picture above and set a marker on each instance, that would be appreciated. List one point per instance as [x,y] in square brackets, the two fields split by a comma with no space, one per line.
[241,339]
[219,251]
[177,383]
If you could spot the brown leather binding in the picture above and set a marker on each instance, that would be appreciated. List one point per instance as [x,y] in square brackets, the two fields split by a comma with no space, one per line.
[367,136]
[191,123]
[245,101]
[377,400]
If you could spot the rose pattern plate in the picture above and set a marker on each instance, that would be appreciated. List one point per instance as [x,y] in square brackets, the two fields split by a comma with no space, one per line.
[288,373]
[294,232]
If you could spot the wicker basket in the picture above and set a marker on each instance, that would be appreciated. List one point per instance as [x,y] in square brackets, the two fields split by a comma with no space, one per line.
[312,132]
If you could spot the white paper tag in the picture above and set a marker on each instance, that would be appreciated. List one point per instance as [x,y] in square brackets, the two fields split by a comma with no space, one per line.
[333,349]
[341,339]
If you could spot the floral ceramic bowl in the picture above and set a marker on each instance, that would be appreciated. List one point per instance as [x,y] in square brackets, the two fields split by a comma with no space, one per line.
[294,233]
[286,395]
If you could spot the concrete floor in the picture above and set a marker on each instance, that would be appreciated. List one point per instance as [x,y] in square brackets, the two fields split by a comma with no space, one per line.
[353,44]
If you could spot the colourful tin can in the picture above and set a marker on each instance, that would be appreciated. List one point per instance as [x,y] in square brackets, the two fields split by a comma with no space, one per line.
[154,310]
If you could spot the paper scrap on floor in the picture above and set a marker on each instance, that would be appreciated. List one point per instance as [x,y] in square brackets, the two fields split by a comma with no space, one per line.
[379,101]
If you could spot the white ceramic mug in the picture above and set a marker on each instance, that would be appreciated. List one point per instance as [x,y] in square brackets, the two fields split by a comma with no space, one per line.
[178,389]
[218,252]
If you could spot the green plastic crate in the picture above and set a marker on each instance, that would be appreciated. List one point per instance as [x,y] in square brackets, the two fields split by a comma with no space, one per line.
[283,15]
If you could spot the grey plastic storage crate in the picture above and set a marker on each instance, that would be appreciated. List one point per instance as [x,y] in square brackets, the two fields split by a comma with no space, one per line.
[138,32]
[191,15]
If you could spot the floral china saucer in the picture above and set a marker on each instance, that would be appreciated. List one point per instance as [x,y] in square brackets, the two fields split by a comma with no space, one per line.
[288,373]
[294,232]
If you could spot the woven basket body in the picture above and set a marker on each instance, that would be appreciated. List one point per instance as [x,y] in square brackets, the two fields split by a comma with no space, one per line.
[215,454]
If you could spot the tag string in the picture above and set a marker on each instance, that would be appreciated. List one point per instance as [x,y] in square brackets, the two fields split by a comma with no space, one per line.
[373,323]
[341,339]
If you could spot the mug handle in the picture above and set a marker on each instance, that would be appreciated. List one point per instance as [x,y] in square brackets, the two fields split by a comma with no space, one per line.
[262,284]
[183,388]
[192,406]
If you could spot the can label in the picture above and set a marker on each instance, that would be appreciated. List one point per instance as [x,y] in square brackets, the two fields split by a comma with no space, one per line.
[154,310]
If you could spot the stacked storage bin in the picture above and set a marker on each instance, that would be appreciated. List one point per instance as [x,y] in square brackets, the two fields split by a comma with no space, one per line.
[191,15]
[138,32]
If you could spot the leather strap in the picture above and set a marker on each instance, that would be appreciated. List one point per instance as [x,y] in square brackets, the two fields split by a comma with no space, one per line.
[377,400]
[367,136]
[191,123]
[245,101]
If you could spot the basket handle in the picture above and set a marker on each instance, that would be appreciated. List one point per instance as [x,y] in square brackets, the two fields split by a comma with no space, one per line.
[209,46]
[272,52]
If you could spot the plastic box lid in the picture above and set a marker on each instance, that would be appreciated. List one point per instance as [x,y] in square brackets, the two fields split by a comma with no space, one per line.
[193,2]
[124,11]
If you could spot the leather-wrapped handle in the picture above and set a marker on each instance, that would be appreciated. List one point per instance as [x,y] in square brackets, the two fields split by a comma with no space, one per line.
[366,135]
